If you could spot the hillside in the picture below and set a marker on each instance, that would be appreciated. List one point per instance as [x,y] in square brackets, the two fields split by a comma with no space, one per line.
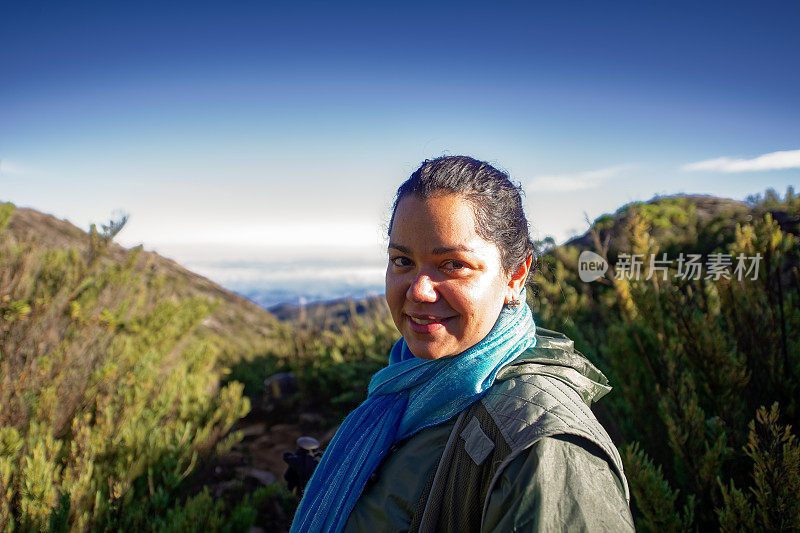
[121,374]
[705,366]
[112,364]
[700,222]
[235,317]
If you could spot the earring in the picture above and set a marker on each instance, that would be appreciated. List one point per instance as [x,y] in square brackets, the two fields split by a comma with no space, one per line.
[514,302]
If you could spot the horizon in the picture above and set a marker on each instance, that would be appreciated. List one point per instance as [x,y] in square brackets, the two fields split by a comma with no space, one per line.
[258,131]
[296,276]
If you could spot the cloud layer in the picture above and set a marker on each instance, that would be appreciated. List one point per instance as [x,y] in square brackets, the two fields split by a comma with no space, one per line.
[771,161]
[12,169]
[574,182]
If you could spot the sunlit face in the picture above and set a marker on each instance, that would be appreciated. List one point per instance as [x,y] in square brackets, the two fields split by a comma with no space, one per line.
[445,285]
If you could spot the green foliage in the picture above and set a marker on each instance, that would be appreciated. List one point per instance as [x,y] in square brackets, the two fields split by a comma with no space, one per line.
[202,513]
[11,311]
[99,240]
[652,494]
[332,367]
[771,200]
[116,381]
[110,390]
[773,503]
[691,360]
[6,210]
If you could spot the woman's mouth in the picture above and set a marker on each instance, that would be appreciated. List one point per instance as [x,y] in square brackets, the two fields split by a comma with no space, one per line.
[426,324]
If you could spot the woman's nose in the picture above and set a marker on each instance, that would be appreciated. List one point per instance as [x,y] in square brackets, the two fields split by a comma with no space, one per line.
[422,289]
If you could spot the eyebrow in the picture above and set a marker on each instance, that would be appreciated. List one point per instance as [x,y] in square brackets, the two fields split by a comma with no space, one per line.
[400,248]
[441,250]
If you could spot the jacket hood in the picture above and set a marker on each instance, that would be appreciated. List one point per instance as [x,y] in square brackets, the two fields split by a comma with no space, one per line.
[554,355]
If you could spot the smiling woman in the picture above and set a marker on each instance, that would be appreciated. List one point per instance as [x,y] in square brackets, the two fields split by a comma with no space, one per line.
[481,420]
[445,284]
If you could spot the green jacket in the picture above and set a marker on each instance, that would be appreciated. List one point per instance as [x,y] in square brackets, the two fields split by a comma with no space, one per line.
[530,456]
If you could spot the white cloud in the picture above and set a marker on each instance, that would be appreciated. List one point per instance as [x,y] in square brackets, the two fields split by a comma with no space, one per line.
[12,169]
[771,161]
[254,233]
[574,182]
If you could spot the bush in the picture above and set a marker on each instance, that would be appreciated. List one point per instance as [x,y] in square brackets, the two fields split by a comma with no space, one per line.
[691,362]
[110,395]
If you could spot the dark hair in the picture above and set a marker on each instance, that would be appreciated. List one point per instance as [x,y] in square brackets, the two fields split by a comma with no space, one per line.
[499,217]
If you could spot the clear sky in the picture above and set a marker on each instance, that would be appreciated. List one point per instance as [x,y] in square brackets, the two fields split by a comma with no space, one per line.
[285,127]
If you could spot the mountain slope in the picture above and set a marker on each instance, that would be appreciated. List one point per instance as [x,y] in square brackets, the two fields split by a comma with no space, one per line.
[110,368]
[235,317]
[700,222]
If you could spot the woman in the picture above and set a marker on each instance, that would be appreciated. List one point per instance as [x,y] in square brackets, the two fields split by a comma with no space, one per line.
[480,422]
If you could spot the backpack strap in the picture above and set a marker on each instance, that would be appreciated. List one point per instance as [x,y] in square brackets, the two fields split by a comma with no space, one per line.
[453,496]
[489,435]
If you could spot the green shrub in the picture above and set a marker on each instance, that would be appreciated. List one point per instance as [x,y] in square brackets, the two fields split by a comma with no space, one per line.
[110,392]
[691,361]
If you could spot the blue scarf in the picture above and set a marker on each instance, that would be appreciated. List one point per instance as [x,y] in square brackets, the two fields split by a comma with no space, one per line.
[407,396]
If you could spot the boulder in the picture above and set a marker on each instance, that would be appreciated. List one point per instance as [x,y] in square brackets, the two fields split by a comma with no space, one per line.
[279,387]
[262,476]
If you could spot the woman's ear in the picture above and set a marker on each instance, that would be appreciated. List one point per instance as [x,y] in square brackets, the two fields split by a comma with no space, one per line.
[518,278]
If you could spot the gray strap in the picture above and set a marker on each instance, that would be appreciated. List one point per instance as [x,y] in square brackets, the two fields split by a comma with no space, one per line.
[477,445]
[426,523]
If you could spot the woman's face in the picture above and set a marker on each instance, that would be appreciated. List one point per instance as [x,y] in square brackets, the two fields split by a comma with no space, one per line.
[445,285]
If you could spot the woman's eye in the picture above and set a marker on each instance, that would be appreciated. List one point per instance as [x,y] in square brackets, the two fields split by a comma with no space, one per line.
[400,261]
[454,265]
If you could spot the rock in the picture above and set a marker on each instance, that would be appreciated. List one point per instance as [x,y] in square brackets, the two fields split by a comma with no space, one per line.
[232,458]
[311,419]
[252,430]
[279,387]
[284,429]
[226,486]
[262,476]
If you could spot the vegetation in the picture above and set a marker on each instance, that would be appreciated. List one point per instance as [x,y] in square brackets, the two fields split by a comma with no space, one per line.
[711,364]
[332,365]
[119,374]
[109,387]
[706,371]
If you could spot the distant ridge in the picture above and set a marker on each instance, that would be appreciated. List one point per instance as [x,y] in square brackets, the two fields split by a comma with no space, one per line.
[703,209]
[331,314]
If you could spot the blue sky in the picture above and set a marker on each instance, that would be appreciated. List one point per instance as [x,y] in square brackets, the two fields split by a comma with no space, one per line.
[276,129]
